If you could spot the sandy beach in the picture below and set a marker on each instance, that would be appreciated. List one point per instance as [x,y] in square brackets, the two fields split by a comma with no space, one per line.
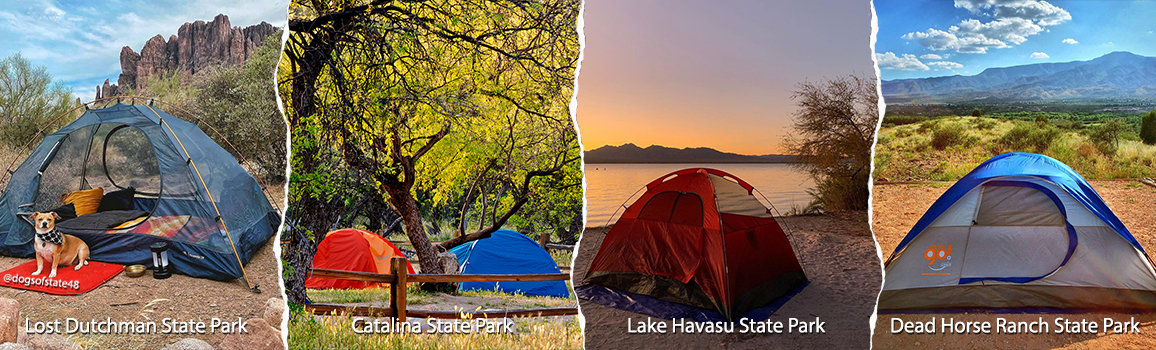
[840,260]
[899,206]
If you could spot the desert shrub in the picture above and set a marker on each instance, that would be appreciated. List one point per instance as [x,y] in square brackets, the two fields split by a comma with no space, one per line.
[1041,119]
[1148,128]
[927,126]
[983,123]
[949,134]
[1106,136]
[977,113]
[30,101]
[1086,150]
[1029,137]
[897,120]
[838,194]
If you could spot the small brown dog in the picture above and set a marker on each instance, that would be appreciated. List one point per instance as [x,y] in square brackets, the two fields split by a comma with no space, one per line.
[58,248]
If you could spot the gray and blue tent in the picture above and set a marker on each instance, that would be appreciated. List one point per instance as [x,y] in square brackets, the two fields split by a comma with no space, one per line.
[186,191]
[1021,233]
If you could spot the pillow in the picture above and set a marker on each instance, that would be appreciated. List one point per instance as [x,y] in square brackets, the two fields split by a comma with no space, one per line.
[117,200]
[86,202]
[67,211]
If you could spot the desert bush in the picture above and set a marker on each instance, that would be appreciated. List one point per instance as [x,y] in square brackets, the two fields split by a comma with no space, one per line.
[949,134]
[976,113]
[1028,137]
[1148,128]
[897,120]
[30,101]
[1106,136]
[983,123]
[927,126]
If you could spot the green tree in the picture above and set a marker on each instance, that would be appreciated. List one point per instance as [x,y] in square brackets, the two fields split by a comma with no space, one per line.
[30,101]
[833,132]
[241,103]
[976,113]
[446,101]
[1148,128]
[1106,136]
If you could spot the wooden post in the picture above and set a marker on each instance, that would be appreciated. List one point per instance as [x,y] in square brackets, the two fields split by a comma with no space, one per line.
[397,288]
[544,239]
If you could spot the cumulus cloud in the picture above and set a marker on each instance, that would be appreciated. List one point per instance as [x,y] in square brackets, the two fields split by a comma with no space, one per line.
[80,43]
[1039,55]
[1012,22]
[945,64]
[909,62]
[931,56]
[1070,41]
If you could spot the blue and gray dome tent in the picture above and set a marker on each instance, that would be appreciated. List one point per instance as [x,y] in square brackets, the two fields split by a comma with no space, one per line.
[509,252]
[192,194]
[1022,232]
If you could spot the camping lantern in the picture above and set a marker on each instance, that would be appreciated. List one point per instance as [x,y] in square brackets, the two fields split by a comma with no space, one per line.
[160,260]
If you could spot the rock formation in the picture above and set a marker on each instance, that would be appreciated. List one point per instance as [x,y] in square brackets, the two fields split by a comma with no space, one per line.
[195,47]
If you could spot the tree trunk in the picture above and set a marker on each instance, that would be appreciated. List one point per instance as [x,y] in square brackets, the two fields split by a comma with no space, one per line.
[427,254]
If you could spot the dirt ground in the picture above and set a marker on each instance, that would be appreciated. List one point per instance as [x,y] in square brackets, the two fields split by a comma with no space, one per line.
[898,207]
[839,258]
[127,299]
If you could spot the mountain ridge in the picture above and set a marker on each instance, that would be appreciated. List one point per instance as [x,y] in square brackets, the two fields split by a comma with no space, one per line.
[1114,75]
[631,153]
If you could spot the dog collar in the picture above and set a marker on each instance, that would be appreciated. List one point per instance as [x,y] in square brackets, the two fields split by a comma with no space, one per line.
[53,236]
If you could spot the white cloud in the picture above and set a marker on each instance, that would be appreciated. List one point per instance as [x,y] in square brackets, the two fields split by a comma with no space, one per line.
[945,64]
[1039,55]
[908,62]
[1012,22]
[1070,41]
[931,56]
[80,43]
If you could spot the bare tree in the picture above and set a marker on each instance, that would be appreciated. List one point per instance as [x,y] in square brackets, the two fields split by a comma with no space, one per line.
[832,134]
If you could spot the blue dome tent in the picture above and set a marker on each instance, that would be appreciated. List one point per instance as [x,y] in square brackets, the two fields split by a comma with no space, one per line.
[1021,233]
[509,252]
[174,183]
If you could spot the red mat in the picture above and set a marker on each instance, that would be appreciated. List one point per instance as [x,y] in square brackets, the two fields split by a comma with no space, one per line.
[66,282]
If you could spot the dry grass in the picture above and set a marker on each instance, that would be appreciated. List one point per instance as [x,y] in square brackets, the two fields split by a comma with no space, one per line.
[335,332]
[905,152]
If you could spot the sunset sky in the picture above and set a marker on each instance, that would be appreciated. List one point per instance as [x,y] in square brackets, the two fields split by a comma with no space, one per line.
[710,74]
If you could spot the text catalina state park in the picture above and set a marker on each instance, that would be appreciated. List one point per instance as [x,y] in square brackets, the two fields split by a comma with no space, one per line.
[743,326]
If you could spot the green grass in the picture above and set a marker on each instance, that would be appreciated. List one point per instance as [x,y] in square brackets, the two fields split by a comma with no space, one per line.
[335,332]
[910,152]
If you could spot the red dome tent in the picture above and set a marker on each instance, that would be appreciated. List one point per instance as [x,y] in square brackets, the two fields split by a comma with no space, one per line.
[353,250]
[699,237]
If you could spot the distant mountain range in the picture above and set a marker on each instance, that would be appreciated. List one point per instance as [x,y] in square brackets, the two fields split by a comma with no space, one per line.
[630,153]
[1118,75]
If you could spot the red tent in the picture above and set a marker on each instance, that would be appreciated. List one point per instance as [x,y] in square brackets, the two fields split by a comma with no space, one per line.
[353,250]
[699,237]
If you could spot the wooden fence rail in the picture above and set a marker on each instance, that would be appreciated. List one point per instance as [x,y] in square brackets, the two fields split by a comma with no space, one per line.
[399,277]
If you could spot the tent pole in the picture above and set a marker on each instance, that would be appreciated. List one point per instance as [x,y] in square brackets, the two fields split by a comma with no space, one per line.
[220,220]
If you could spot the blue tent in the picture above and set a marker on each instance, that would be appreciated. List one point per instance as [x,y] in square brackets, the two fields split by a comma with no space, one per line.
[1021,233]
[193,194]
[509,252]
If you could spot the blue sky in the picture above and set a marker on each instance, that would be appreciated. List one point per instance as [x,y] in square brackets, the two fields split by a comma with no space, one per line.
[918,39]
[80,41]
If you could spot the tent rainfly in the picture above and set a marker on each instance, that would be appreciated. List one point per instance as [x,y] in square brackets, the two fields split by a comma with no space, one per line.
[509,252]
[353,250]
[699,237]
[1021,233]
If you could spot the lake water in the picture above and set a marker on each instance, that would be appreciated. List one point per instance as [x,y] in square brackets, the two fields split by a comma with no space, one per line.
[609,185]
